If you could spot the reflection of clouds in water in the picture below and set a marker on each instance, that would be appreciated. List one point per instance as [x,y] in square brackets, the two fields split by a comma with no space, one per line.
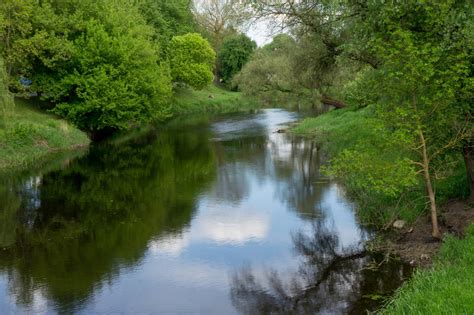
[221,224]
[234,231]
[226,224]
[170,245]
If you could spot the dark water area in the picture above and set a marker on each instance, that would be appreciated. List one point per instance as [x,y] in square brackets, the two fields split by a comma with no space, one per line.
[218,216]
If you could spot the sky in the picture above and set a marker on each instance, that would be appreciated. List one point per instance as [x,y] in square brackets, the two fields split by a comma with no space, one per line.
[260,33]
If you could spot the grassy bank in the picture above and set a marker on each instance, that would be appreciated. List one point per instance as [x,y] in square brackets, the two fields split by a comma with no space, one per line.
[211,99]
[27,136]
[446,288]
[349,129]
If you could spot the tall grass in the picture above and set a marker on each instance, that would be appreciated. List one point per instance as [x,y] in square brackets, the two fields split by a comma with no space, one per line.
[447,288]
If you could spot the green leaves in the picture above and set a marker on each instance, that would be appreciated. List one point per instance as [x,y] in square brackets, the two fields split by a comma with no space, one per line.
[192,60]
[233,55]
[6,102]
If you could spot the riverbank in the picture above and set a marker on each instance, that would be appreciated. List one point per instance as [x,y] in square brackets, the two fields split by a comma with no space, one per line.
[446,288]
[446,282]
[28,136]
[348,130]
[211,99]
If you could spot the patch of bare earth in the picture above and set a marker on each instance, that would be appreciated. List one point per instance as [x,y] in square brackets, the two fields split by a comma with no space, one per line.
[414,243]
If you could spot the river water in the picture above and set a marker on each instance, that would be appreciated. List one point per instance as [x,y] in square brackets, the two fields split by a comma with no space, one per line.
[214,216]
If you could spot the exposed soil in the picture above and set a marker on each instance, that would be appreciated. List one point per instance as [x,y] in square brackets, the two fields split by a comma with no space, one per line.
[414,243]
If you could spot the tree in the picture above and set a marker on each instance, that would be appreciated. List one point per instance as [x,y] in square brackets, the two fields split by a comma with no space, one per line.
[5,97]
[424,66]
[96,60]
[168,18]
[218,18]
[269,72]
[15,25]
[192,60]
[234,54]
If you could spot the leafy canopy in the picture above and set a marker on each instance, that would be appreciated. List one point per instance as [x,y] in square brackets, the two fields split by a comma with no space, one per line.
[233,55]
[192,60]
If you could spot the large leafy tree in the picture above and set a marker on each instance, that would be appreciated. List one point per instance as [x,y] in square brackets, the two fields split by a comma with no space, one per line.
[192,60]
[233,55]
[421,88]
[96,60]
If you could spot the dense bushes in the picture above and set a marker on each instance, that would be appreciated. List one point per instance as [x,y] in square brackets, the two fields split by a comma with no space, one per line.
[105,64]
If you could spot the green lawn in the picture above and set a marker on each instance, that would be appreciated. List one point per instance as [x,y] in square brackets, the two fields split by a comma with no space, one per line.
[28,135]
[447,288]
[211,99]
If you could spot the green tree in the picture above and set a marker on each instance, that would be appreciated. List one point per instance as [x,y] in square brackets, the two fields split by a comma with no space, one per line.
[95,59]
[269,73]
[6,102]
[192,60]
[424,67]
[168,18]
[233,55]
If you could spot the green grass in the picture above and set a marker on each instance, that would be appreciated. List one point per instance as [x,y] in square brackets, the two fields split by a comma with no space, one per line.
[447,288]
[211,99]
[27,136]
[338,129]
[345,129]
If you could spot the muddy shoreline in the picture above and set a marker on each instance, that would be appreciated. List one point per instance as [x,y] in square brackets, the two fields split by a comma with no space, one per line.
[413,243]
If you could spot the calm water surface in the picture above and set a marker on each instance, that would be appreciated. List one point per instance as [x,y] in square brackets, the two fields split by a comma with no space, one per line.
[220,216]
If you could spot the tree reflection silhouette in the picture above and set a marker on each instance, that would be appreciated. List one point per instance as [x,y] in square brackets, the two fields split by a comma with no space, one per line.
[330,279]
[78,228]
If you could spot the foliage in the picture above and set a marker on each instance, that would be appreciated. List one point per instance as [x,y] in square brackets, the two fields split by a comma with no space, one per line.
[6,102]
[269,71]
[448,287]
[168,18]
[233,55]
[375,169]
[95,59]
[192,59]
[423,68]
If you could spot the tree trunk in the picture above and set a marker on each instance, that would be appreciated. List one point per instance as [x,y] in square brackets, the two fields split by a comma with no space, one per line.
[468,153]
[429,187]
[326,100]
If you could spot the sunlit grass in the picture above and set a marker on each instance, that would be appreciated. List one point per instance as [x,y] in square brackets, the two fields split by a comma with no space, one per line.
[447,288]
[27,135]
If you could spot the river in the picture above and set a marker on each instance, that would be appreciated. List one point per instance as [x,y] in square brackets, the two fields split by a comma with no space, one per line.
[215,216]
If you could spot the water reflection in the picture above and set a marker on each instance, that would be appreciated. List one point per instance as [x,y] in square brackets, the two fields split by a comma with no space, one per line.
[156,223]
[330,279]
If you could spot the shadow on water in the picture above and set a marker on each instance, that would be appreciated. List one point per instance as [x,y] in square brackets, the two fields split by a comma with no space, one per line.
[156,223]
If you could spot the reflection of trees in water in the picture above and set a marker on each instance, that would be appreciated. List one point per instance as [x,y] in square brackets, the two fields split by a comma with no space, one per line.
[97,216]
[330,279]
[303,185]
[291,162]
